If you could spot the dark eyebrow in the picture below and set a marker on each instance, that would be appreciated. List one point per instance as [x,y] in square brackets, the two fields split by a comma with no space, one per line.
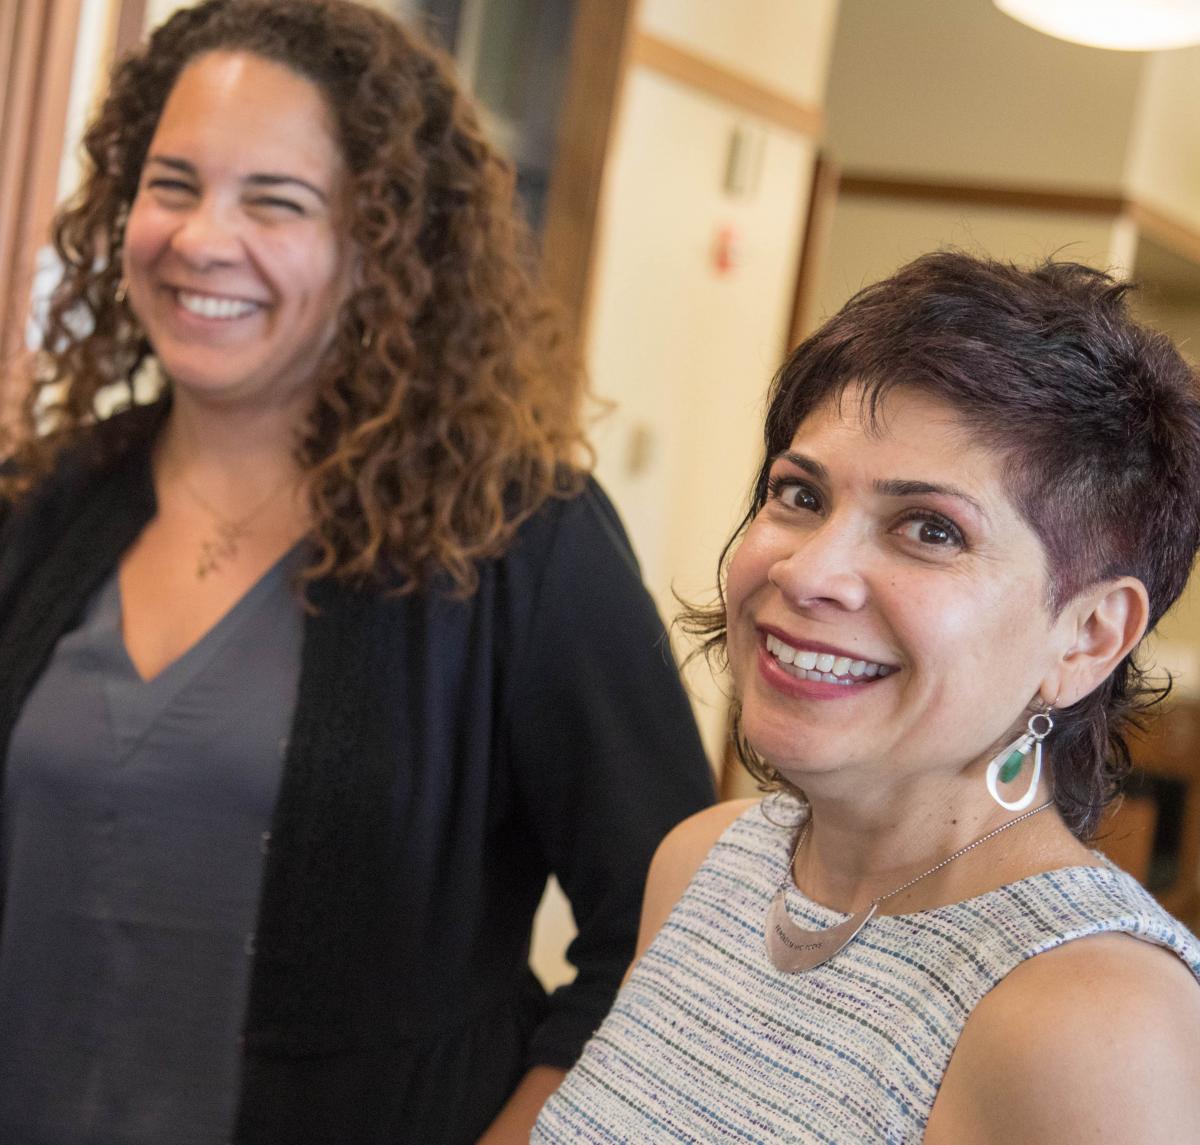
[175,164]
[890,488]
[280,180]
[261,180]
[898,488]
[811,467]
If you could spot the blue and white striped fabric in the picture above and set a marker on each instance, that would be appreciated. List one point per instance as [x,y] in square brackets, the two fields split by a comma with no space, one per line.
[709,1042]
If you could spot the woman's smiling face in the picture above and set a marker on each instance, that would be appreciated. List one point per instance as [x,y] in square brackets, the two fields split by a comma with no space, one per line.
[235,261]
[887,607]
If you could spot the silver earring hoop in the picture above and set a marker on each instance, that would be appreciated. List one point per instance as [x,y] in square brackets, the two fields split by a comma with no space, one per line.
[1007,765]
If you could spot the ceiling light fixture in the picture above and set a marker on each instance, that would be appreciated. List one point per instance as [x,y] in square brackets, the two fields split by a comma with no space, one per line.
[1128,25]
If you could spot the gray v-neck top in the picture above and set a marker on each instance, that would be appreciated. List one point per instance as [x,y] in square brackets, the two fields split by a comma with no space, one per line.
[136,819]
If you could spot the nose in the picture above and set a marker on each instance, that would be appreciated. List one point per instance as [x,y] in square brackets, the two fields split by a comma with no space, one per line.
[826,568]
[206,237]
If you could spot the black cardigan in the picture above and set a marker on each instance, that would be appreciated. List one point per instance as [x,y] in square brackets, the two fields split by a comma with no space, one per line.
[445,756]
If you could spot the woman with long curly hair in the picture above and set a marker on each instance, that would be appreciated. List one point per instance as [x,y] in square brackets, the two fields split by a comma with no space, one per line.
[321,650]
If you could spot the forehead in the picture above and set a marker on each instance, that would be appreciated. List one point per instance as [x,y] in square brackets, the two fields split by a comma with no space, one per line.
[899,415]
[908,435]
[239,110]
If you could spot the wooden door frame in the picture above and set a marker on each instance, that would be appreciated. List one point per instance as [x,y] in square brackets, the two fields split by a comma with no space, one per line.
[37,53]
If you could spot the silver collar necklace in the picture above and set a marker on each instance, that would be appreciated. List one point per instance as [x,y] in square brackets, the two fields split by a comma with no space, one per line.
[793,949]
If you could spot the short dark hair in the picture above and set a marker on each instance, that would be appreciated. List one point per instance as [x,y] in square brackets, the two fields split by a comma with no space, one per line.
[1097,418]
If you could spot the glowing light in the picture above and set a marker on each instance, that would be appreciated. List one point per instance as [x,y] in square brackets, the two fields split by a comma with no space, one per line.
[1127,25]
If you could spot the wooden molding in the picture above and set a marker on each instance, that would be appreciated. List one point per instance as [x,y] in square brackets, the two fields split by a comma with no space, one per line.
[729,86]
[599,55]
[822,198]
[131,24]
[1177,237]
[982,194]
[37,89]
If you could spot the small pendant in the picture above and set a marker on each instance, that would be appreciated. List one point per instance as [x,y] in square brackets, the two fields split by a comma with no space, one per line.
[793,949]
[214,553]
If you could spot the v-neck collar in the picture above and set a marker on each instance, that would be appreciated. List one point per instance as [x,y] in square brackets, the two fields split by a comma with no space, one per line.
[135,703]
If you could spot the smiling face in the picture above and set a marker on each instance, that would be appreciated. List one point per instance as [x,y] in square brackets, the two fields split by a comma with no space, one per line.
[234,255]
[887,606]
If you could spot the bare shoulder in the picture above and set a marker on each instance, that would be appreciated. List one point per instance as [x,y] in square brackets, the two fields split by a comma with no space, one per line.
[1096,1041]
[677,860]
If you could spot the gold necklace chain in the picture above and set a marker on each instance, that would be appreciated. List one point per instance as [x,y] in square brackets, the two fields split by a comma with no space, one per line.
[224,547]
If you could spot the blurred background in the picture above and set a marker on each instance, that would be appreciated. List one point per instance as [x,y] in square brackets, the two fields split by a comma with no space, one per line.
[708,178]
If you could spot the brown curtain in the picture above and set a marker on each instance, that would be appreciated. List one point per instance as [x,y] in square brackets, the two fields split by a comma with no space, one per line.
[37,49]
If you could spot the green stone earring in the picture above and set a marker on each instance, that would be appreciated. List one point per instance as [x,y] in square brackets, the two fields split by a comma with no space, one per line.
[1006,766]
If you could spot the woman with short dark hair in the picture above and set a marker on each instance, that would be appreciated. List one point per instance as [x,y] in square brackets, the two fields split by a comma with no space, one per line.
[322,651]
[981,488]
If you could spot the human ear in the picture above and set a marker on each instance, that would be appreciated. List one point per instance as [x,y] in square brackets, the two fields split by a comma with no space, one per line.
[1103,625]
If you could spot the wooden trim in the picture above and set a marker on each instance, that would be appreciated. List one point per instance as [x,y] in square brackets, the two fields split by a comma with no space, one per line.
[822,198]
[982,194]
[37,93]
[724,84]
[1180,238]
[131,26]
[1177,237]
[599,54]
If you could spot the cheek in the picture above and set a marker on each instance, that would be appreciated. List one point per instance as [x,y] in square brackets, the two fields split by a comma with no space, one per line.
[747,571]
[145,235]
[310,263]
[977,638]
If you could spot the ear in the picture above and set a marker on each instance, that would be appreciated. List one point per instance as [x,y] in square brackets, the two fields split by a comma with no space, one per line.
[1102,626]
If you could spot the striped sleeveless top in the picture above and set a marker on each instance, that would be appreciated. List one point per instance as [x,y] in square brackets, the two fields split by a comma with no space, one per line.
[709,1042]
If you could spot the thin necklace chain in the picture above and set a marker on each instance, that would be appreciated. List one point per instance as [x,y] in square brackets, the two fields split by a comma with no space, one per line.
[934,869]
[235,524]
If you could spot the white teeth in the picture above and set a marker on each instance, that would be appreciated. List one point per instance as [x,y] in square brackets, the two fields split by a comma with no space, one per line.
[823,666]
[781,651]
[206,306]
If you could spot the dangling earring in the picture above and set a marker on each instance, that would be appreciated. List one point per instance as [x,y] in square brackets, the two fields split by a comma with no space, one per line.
[122,291]
[1006,766]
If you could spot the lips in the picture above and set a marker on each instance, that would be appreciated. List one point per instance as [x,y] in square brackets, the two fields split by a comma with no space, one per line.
[827,667]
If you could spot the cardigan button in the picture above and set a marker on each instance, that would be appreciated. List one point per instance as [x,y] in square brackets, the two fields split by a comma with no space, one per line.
[264,843]
[250,945]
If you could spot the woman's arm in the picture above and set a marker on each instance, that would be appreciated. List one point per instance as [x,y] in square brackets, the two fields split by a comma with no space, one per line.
[676,862]
[604,750]
[514,1123]
[1097,1041]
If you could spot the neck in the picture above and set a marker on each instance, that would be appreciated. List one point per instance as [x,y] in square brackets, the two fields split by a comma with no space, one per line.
[859,849]
[231,447]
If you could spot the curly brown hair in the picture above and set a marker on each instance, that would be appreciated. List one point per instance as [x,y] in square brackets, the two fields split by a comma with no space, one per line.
[447,406]
[1097,417]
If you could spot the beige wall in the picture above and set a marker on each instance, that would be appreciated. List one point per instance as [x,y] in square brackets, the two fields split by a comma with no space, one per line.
[683,350]
[872,237]
[783,44]
[955,89]
[1163,168]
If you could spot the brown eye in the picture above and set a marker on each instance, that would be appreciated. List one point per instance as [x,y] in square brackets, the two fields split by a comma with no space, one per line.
[934,532]
[794,494]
